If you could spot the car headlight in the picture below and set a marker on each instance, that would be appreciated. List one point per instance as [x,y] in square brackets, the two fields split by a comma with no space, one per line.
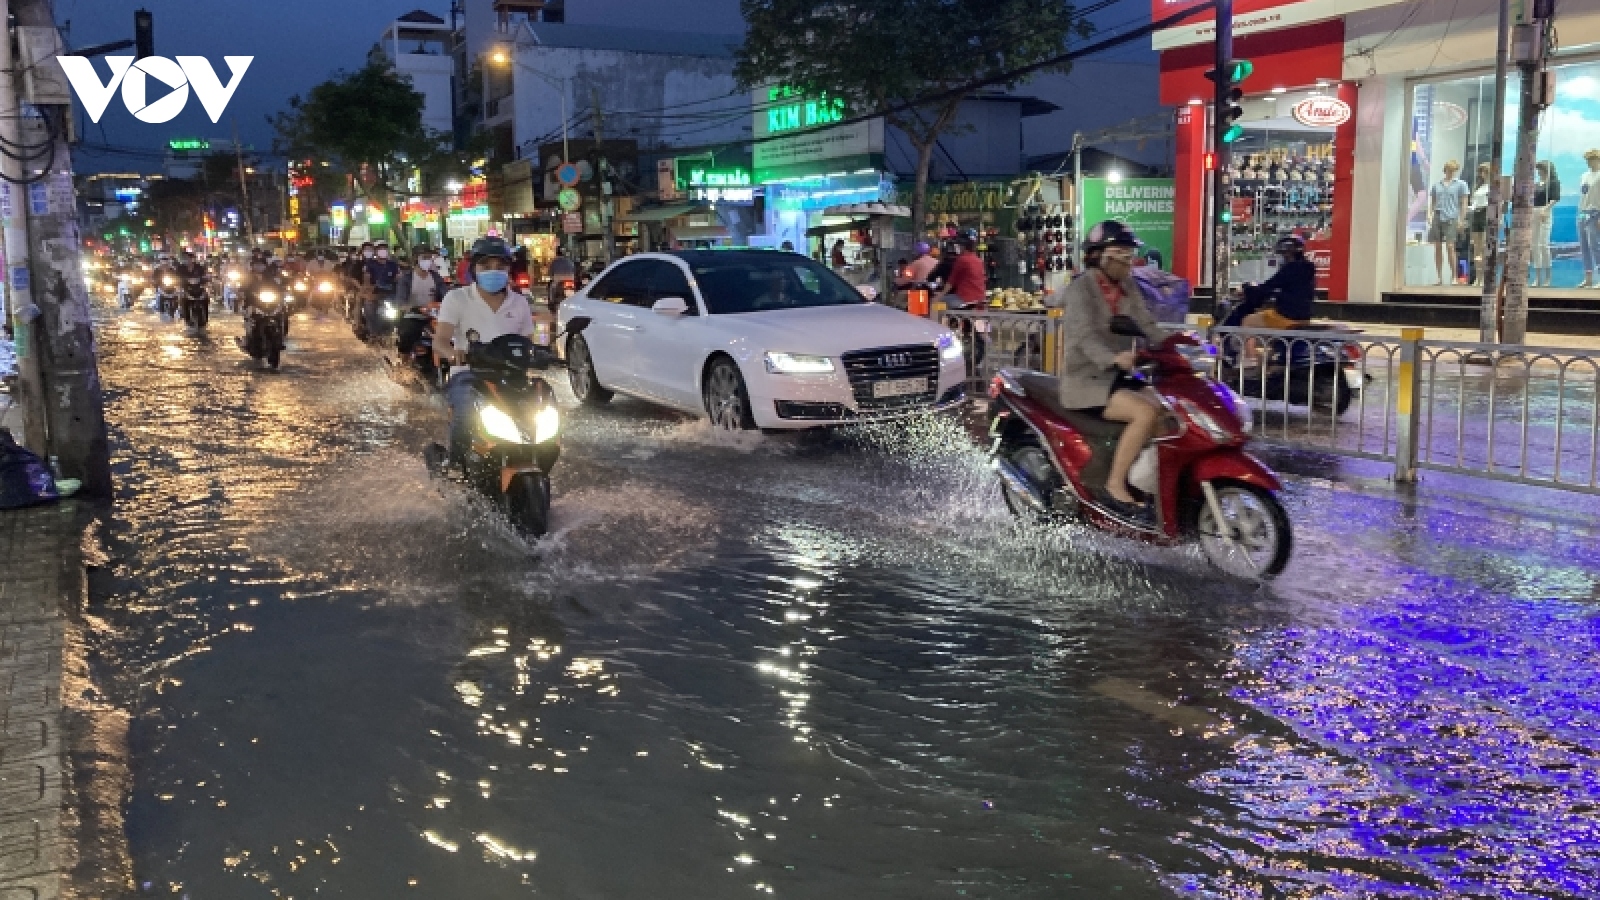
[546,424]
[267,297]
[797,364]
[1204,421]
[949,347]
[500,426]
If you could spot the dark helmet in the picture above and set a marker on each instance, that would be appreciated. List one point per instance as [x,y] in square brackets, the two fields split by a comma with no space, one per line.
[490,246]
[1111,233]
[1291,244]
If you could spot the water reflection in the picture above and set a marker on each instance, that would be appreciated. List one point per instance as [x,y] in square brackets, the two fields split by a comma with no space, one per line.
[814,668]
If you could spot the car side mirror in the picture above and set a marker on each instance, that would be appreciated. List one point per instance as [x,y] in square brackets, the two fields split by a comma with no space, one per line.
[671,306]
[578,324]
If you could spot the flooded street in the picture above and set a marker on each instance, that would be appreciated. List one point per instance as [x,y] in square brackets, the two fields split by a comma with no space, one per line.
[802,667]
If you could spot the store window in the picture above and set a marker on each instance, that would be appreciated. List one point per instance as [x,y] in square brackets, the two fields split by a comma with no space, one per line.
[1446,218]
[1282,180]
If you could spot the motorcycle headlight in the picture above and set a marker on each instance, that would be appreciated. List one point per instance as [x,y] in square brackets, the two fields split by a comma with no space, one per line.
[500,426]
[167,281]
[390,311]
[546,424]
[325,287]
[949,347]
[233,276]
[267,297]
[1204,421]
[797,364]
[300,287]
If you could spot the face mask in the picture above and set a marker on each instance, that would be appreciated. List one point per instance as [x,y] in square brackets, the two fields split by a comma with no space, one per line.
[383,254]
[366,254]
[425,264]
[493,280]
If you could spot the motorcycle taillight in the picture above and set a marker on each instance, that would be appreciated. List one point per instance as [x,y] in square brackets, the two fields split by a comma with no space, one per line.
[995,388]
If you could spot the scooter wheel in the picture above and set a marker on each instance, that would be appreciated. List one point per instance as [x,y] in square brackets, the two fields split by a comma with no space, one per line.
[528,504]
[1254,540]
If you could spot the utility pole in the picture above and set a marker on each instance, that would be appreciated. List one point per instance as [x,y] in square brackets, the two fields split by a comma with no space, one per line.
[244,190]
[601,172]
[14,209]
[1489,266]
[1221,189]
[74,404]
[1532,48]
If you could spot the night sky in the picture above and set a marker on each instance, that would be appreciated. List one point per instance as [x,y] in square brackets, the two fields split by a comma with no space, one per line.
[296,44]
[299,43]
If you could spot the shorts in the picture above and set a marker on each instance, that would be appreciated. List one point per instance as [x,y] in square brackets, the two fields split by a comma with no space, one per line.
[1271,318]
[1443,232]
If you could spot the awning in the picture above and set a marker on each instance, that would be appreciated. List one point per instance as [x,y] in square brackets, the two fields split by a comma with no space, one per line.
[662,213]
[842,227]
[699,233]
[867,209]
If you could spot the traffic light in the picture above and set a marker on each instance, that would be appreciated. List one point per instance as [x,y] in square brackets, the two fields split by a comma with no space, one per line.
[1229,93]
[144,39]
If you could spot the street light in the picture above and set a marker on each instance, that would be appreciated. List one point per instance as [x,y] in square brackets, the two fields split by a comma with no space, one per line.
[500,57]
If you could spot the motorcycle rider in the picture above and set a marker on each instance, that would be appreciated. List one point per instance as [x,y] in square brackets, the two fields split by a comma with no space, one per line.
[189,268]
[380,277]
[1285,300]
[561,270]
[487,306]
[423,284]
[164,268]
[1097,364]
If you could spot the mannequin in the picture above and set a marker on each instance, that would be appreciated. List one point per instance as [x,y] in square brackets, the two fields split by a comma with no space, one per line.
[1447,202]
[1546,191]
[1479,221]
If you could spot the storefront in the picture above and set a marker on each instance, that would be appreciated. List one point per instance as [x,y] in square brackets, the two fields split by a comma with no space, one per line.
[1367,101]
[804,164]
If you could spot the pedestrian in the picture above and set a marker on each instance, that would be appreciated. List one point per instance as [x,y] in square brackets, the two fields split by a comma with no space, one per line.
[1589,219]
[836,258]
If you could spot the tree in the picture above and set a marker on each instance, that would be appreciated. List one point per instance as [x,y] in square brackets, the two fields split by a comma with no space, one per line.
[367,124]
[878,55]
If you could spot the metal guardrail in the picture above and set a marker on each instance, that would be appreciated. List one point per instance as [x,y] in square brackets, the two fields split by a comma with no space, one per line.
[1509,413]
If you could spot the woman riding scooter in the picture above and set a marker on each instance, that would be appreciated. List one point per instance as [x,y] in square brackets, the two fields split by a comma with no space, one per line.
[1098,361]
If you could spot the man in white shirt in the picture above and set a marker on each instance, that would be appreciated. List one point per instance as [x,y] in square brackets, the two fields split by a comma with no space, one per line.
[487,307]
[1589,218]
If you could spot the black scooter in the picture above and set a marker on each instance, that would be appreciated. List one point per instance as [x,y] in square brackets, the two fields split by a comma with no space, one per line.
[266,322]
[196,303]
[1319,371]
[515,428]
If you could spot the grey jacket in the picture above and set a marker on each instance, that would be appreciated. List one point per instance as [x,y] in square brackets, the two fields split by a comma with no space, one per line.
[403,289]
[1089,350]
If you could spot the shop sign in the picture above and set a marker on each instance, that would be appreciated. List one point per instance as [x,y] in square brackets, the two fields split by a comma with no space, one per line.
[972,197]
[823,191]
[1321,112]
[572,223]
[1252,17]
[185,144]
[732,185]
[805,137]
[1143,204]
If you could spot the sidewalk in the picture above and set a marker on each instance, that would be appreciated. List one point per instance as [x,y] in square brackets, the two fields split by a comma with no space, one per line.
[60,829]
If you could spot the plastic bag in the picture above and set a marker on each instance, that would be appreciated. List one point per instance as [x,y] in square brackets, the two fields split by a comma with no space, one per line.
[25,480]
[1145,473]
[1165,294]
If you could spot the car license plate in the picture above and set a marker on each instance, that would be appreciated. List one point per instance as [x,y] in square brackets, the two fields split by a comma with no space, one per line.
[1352,379]
[899,387]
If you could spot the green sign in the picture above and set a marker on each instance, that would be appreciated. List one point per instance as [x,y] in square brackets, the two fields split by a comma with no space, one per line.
[800,112]
[189,144]
[701,177]
[1143,204]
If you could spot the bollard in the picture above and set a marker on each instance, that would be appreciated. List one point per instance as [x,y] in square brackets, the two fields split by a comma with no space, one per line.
[917,302]
[1408,408]
[1052,329]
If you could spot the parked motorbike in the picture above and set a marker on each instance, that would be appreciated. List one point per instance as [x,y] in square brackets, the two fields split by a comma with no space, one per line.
[266,327]
[516,433]
[1320,371]
[167,296]
[1205,488]
[196,303]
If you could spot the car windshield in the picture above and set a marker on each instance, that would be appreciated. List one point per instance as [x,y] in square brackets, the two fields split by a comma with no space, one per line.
[782,281]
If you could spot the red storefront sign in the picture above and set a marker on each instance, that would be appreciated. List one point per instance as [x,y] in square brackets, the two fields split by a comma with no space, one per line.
[1321,112]
[1294,57]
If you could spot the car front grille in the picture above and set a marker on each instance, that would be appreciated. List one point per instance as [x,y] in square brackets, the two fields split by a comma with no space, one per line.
[866,368]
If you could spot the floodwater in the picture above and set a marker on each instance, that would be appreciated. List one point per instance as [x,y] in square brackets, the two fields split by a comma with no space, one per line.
[809,668]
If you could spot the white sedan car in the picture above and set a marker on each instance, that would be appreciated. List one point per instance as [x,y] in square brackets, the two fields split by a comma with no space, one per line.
[755,339]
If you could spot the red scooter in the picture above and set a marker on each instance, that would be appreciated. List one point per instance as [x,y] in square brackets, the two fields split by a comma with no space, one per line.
[1204,487]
